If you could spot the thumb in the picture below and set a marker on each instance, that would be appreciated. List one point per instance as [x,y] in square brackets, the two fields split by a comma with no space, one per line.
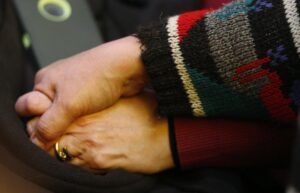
[32,104]
[52,125]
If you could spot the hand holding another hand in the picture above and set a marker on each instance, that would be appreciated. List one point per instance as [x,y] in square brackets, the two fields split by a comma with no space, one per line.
[80,85]
[79,103]
[129,135]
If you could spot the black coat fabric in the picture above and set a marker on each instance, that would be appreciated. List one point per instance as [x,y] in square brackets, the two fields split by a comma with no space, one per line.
[35,166]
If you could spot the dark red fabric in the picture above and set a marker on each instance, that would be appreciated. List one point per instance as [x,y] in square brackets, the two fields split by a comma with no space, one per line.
[202,142]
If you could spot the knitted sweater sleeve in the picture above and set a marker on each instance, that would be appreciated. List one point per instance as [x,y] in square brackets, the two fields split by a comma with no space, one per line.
[240,61]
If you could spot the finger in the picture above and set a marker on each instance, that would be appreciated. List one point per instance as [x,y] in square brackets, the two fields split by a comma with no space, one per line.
[70,144]
[32,104]
[76,151]
[52,124]
[31,126]
[38,143]
[78,162]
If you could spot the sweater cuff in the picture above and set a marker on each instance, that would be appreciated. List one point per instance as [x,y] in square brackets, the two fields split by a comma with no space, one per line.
[173,143]
[228,143]
[196,145]
[171,83]
[158,61]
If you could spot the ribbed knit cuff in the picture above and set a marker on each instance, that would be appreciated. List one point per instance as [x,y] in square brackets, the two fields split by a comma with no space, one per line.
[159,64]
[172,138]
[231,143]
[195,146]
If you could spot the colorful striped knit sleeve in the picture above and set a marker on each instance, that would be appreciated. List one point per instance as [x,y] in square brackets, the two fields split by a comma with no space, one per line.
[240,61]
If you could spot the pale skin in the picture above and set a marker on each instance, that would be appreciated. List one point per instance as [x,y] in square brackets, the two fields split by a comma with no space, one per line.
[79,98]
[83,84]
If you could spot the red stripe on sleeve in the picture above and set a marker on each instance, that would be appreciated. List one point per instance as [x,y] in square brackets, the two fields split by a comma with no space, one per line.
[187,20]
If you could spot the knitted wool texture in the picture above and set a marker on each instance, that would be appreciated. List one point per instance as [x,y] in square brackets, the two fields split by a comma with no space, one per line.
[240,61]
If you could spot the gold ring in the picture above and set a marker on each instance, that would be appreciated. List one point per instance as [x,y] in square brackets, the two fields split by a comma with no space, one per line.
[62,154]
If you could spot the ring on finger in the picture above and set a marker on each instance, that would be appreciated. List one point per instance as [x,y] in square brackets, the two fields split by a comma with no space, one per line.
[62,154]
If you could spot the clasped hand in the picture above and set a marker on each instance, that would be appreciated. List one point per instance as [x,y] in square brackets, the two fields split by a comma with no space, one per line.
[92,104]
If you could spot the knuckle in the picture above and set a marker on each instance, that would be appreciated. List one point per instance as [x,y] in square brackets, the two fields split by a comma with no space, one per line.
[100,162]
[44,131]
[89,144]
[95,158]
[82,122]
[70,108]
[40,75]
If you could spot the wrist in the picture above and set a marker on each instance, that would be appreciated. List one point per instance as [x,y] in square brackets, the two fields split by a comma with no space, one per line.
[132,67]
[165,160]
[173,142]
[129,64]
[120,62]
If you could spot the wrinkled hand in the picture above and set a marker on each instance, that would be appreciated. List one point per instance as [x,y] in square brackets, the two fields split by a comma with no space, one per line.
[81,85]
[128,135]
